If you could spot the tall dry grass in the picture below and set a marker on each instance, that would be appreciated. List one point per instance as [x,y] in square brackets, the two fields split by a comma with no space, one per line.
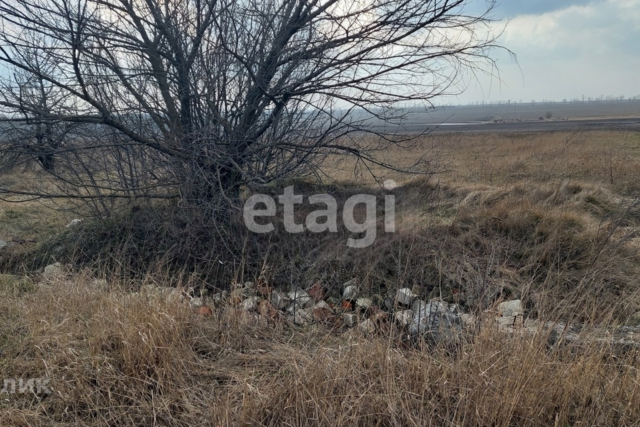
[114,359]
[603,157]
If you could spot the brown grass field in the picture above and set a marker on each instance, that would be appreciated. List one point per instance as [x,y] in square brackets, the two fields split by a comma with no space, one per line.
[549,218]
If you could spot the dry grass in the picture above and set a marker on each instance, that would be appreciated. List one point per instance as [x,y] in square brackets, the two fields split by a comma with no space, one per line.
[118,360]
[548,218]
[611,158]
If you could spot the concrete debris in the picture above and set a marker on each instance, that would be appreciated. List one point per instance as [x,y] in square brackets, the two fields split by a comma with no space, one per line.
[350,319]
[279,300]
[367,326]
[418,305]
[350,293]
[405,296]
[468,319]
[352,282]
[435,319]
[510,308]
[300,298]
[53,271]
[74,222]
[323,305]
[250,304]
[404,317]
[364,303]
[506,322]
[196,302]
[302,317]
[510,315]
[455,308]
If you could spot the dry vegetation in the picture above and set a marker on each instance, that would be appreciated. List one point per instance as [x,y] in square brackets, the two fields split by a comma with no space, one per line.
[604,158]
[548,218]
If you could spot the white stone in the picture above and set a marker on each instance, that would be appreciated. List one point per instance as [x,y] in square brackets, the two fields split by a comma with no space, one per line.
[390,184]
[435,318]
[352,282]
[418,305]
[367,326]
[294,306]
[364,303]
[52,271]
[74,222]
[350,293]
[300,297]
[468,319]
[196,302]
[510,308]
[322,305]
[302,316]
[505,322]
[250,303]
[405,296]
[404,317]
[509,323]
[279,300]
[349,319]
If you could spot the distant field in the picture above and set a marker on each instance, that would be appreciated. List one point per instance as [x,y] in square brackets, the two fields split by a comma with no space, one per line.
[603,157]
[556,116]
[530,111]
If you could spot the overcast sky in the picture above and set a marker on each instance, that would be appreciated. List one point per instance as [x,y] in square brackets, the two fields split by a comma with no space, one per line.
[565,49]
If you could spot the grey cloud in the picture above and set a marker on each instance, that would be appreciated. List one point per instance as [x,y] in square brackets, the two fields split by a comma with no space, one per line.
[510,8]
[505,9]
[565,53]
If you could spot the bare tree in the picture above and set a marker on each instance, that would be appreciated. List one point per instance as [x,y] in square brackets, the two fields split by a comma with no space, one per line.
[32,133]
[192,98]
